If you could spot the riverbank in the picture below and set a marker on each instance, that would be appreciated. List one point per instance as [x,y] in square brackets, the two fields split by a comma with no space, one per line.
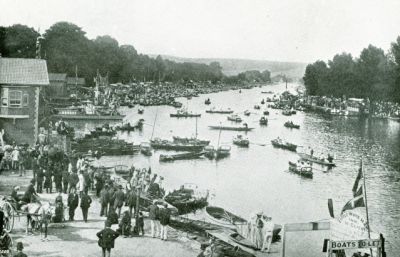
[78,238]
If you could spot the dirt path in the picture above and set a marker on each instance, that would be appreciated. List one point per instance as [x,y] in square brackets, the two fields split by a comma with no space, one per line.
[79,239]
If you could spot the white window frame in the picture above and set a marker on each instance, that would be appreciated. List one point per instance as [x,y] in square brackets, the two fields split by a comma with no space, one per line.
[10,99]
[25,100]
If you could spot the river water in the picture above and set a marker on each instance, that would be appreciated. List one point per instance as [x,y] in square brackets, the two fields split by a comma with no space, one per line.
[257,178]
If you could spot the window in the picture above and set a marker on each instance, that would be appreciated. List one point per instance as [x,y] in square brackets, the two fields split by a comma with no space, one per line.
[25,100]
[15,98]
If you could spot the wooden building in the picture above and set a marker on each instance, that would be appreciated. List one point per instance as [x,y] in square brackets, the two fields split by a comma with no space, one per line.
[21,81]
[58,85]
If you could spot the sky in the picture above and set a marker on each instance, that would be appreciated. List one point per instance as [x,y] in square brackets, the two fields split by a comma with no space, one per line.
[279,30]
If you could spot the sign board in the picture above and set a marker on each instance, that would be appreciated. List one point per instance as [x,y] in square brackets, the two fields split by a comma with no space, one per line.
[356,244]
[351,225]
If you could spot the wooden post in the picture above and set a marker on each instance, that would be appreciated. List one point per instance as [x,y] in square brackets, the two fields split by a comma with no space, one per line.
[366,205]
[329,252]
[283,240]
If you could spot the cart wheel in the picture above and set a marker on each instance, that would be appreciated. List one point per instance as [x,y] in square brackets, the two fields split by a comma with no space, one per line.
[8,217]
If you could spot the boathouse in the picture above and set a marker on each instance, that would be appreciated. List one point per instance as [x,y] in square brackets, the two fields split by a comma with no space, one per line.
[58,85]
[21,81]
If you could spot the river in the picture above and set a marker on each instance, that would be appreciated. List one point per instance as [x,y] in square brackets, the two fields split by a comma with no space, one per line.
[257,178]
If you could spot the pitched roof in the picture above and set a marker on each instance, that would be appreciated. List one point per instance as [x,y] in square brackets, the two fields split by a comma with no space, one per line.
[21,71]
[73,81]
[57,76]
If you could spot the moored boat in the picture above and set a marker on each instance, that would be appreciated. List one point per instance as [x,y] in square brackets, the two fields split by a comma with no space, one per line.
[290,124]
[145,148]
[299,168]
[168,145]
[190,140]
[244,128]
[209,152]
[223,217]
[222,151]
[184,114]
[187,199]
[238,238]
[279,143]
[121,170]
[239,140]
[180,156]
[235,118]
[263,120]
[220,111]
[129,127]
[287,112]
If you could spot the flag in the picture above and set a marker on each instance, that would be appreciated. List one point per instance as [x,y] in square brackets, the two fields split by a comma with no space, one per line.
[354,203]
[357,187]
[358,194]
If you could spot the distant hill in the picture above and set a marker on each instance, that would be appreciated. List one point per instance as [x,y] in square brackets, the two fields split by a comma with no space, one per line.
[293,70]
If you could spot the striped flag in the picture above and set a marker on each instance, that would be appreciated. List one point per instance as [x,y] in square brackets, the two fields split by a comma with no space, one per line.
[358,194]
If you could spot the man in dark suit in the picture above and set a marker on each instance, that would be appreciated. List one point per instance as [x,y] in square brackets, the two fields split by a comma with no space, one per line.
[73,201]
[107,238]
[119,200]
[104,200]
[85,204]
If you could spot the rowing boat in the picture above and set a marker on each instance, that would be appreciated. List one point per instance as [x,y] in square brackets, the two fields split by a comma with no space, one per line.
[244,128]
[223,217]
[239,140]
[284,145]
[302,171]
[317,160]
[221,111]
[180,156]
[290,124]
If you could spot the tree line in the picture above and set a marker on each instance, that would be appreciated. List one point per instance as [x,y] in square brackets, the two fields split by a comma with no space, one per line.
[374,75]
[67,50]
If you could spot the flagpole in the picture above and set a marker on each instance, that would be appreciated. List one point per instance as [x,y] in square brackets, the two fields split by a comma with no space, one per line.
[366,204]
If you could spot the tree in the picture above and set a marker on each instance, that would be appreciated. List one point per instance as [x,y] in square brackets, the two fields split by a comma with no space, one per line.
[20,41]
[373,69]
[66,47]
[395,52]
[314,77]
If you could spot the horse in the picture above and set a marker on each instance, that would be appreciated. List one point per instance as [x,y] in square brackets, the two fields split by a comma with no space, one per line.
[38,214]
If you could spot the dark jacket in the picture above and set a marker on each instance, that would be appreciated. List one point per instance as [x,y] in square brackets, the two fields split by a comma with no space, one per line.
[119,198]
[165,216]
[85,201]
[107,237]
[153,212]
[73,200]
[104,196]
[39,176]
[131,199]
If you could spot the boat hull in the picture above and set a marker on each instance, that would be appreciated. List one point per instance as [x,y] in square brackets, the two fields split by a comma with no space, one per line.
[231,128]
[310,158]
